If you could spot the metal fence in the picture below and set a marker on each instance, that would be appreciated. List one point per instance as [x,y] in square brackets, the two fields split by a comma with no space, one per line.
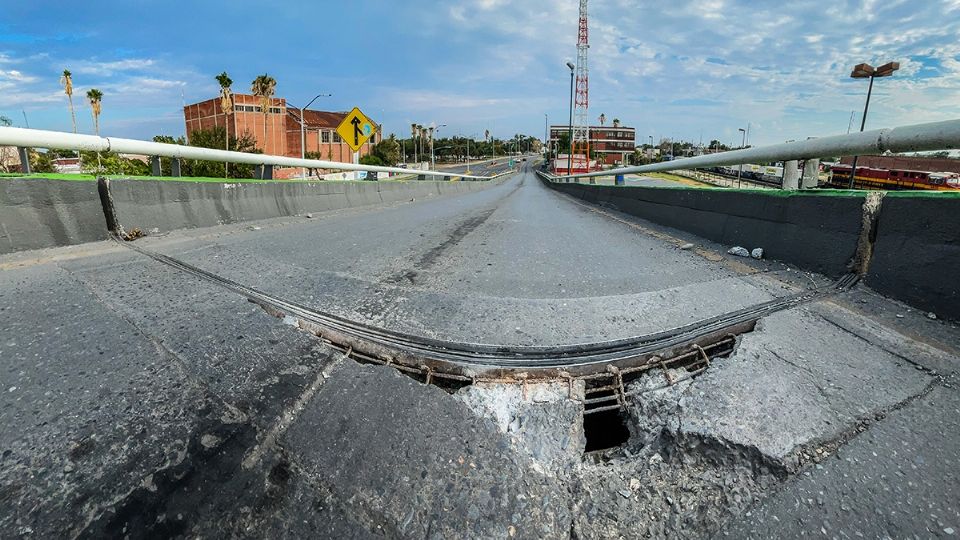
[918,137]
[36,138]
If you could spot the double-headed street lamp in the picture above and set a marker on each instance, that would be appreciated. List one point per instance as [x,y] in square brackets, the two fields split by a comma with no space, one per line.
[864,71]
[303,135]
[570,125]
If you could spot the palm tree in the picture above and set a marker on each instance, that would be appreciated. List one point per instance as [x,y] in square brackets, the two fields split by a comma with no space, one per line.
[413,140]
[264,86]
[226,104]
[67,81]
[423,139]
[94,96]
[603,118]
[420,139]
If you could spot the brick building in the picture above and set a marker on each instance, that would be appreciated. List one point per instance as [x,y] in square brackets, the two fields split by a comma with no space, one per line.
[612,144]
[282,136]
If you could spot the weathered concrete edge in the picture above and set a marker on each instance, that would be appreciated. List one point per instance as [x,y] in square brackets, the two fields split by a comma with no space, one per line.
[916,253]
[906,246]
[38,213]
[816,233]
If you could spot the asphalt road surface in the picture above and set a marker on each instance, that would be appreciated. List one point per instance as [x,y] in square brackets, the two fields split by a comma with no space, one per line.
[514,264]
[138,399]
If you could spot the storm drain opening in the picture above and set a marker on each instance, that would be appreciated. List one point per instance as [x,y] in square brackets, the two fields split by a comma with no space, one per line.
[605,430]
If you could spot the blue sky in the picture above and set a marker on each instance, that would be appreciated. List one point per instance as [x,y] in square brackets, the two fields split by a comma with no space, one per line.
[681,69]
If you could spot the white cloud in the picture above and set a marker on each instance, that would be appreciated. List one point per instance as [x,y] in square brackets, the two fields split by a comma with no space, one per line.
[426,100]
[95,67]
[783,67]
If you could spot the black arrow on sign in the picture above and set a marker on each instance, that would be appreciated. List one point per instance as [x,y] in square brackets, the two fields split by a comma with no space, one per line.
[356,130]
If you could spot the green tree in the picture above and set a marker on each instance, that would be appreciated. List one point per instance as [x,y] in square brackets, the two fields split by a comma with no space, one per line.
[371,159]
[211,138]
[67,81]
[113,164]
[264,86]
[41,162]
[387,150]
[563,144]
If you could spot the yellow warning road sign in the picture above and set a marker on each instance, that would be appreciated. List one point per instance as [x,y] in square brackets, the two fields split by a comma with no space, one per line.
[356,129]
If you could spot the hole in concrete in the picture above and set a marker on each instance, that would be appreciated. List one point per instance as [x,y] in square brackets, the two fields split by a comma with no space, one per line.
[605,429]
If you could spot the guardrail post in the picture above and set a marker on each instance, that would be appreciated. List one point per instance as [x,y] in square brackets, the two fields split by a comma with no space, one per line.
[264,172]
[175,167]
[155,166]
[791,175]
[811,174]
[24,159]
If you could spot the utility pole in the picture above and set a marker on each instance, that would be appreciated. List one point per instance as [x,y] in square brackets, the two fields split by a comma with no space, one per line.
[303,133]
[570,125]
[742,145]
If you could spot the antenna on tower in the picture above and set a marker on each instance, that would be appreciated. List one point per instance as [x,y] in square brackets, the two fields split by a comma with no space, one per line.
[581,127]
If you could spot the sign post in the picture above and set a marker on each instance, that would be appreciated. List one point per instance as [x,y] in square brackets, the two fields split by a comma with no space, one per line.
[355,130]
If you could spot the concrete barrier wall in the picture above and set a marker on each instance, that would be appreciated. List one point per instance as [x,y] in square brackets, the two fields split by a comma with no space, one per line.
[916,254]
[37,213]
[817,231]
[169,205]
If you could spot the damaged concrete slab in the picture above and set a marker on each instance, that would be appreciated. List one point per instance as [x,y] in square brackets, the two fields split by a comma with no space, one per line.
[419,463]
[796,382]
[897,480]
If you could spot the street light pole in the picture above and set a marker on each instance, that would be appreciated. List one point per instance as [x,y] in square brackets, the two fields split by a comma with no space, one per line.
[303,136]
[742,144]
[570,125]
[433,161]
[862,71]
[546,133]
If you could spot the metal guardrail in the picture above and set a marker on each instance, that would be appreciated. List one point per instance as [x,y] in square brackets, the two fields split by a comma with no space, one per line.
[918,137]
[37,138]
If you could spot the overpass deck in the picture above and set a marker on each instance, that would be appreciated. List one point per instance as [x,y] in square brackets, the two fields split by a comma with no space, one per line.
[139,397]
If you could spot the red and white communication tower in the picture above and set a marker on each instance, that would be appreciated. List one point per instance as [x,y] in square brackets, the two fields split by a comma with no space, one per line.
[581,127]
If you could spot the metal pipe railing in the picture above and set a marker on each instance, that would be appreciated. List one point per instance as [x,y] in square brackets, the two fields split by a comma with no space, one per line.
[37,138]
[918,137]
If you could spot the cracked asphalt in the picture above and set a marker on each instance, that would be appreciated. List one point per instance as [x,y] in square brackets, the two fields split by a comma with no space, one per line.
[139,400]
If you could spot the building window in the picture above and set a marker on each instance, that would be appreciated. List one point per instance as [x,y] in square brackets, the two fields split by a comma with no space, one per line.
[336,137]
[276,110]
[325,136]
